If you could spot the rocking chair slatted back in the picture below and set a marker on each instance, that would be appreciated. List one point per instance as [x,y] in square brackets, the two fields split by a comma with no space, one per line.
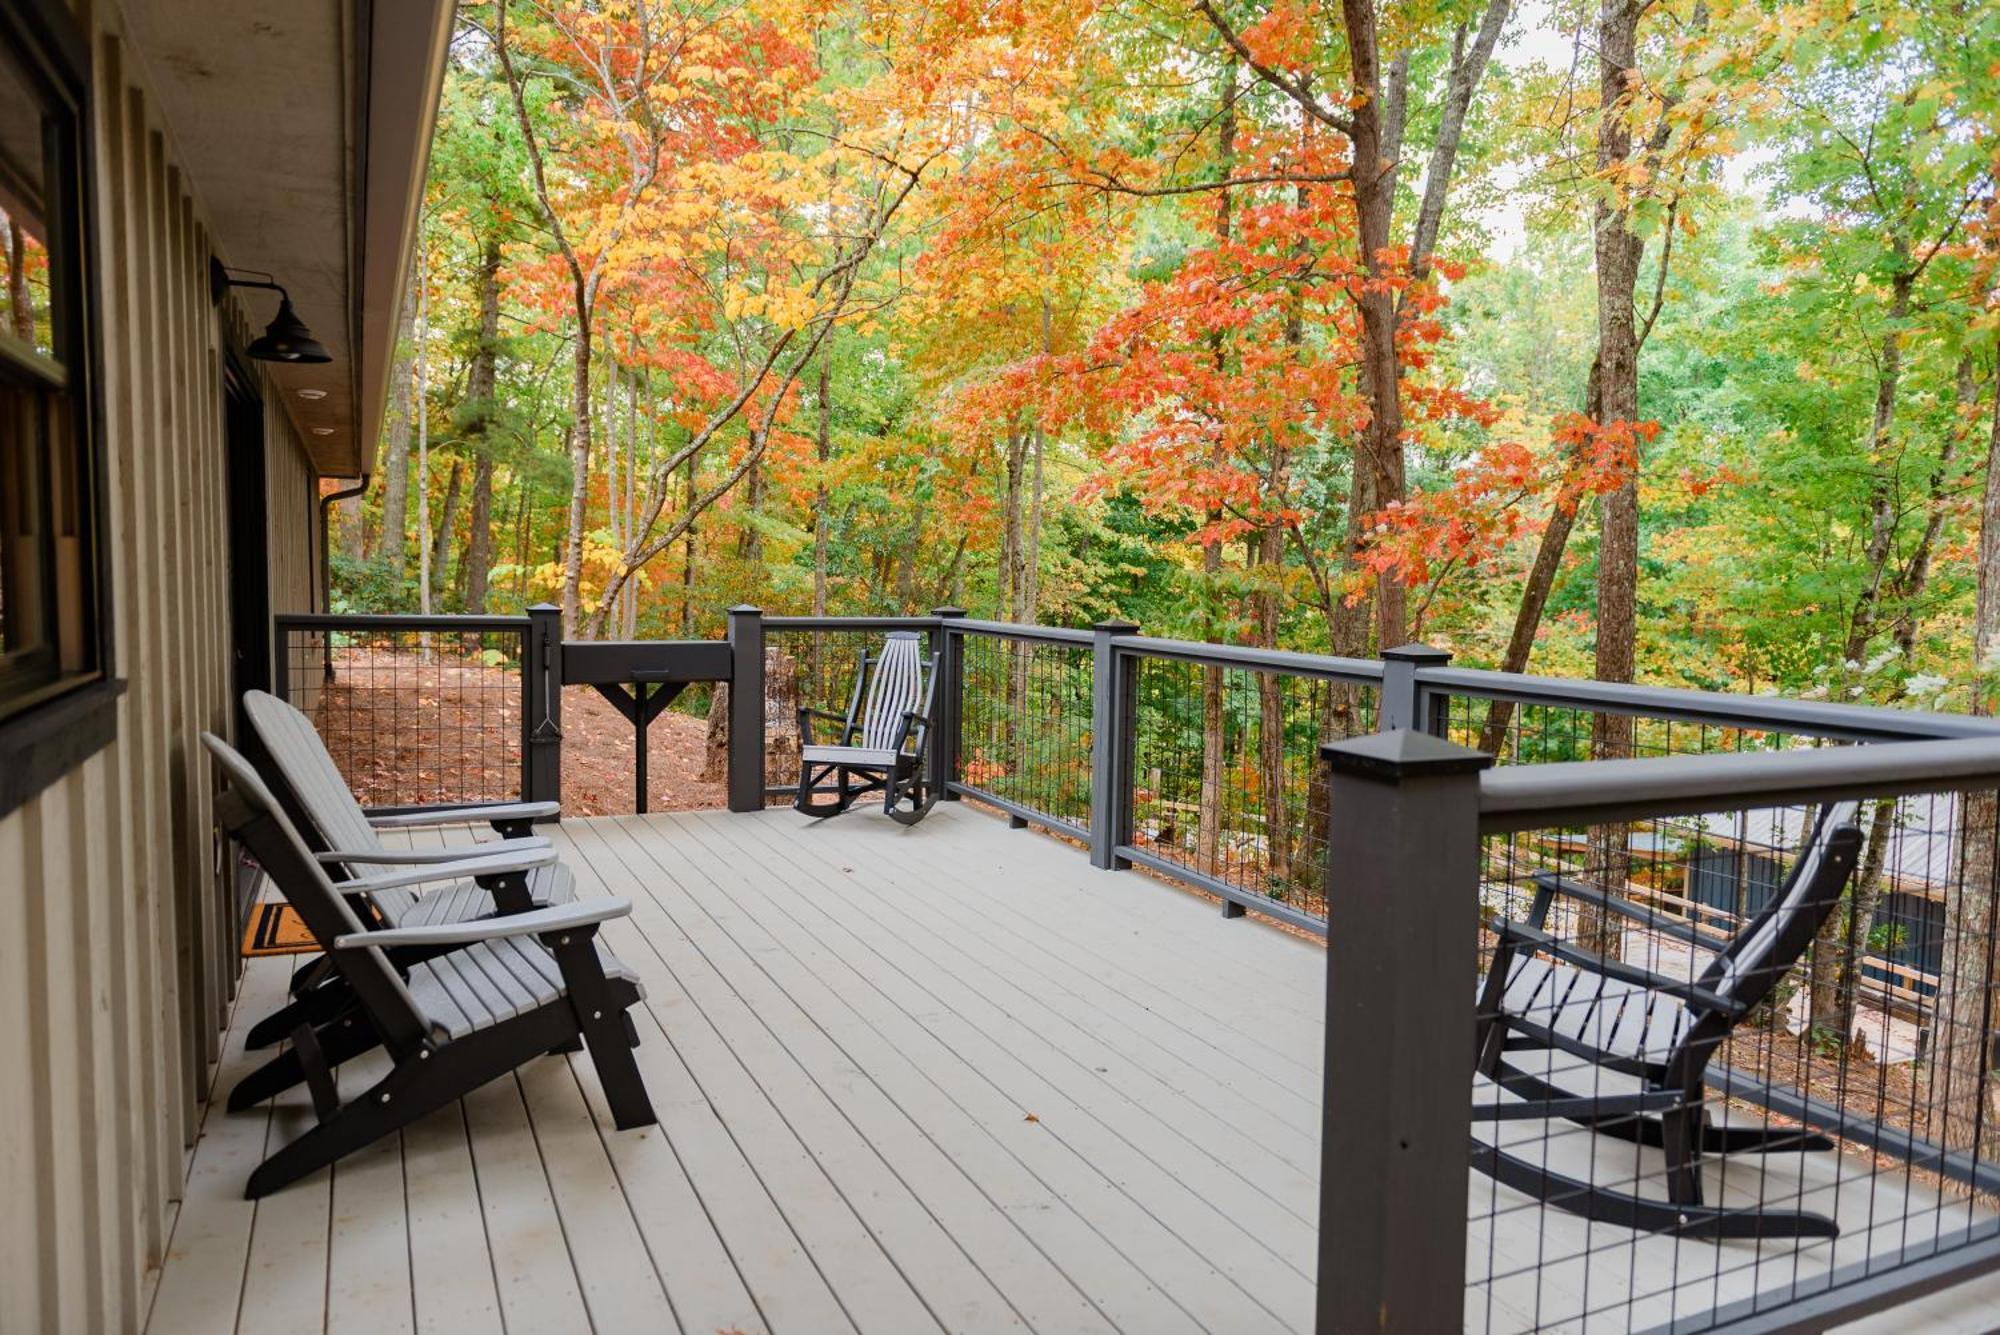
[1751,966]
[895,688]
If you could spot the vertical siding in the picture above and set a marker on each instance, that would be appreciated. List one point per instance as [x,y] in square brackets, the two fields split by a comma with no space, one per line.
[117,957]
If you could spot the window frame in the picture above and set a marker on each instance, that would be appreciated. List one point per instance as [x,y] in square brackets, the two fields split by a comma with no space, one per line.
[50,729]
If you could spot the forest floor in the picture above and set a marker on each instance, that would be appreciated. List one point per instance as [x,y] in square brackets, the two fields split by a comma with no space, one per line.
[411,728]
[597,757]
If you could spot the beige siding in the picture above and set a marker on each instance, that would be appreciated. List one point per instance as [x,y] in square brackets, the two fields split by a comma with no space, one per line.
[117,957]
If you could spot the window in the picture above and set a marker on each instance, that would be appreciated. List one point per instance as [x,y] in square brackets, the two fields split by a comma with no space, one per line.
[52,603]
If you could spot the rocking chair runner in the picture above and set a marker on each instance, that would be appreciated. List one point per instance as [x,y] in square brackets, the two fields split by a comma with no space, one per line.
[883,742]
[1545,994]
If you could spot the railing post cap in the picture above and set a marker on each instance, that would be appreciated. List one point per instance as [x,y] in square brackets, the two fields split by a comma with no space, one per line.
[1402,754]
[746,609]
[1116,626]
[543,608]
[1418,653]
[947,611]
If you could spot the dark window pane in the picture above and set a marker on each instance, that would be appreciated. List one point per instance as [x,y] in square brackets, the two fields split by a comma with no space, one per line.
[27,656]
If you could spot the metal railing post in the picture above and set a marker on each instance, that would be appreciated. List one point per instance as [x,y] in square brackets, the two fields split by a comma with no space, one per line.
[1111,742]
[746,708]
[541,705]
[1402,883]
[281,659]
[947,699]
[1402,693]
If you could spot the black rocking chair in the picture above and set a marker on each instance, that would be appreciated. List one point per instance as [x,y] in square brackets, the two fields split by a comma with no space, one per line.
[1545,994]
[883,742]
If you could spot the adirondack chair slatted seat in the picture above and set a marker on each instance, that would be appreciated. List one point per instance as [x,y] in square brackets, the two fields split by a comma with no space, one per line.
[494,994]
[1547,995]
[882,745]
[460,883]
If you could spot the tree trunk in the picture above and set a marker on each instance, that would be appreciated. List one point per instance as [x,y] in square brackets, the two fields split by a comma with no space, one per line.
[1541,578]
[1960,1054]
[693,537]
[20,309]
[1882,514]
[1270,551]
[1214,741]
[420,409]
[1617,253]
[750,537]
[1379,449]
[1010,515]
[579,466]
[821,528]
[629,625]
[393,538]
[1208,820]
[481,388]
[447,517]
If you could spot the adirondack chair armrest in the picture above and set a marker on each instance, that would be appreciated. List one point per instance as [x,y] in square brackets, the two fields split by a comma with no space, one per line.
[1685,932]
[583,916]
[415,857]
[1693,994]
[508,813]
[459,870]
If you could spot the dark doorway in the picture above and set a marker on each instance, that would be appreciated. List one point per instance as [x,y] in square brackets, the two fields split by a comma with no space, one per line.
[249,539]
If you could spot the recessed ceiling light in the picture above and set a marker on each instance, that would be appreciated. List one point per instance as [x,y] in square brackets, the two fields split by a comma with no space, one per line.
[312,393]
[322,431]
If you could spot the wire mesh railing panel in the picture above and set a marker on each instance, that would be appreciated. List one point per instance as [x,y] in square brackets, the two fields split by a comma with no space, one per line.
[1731,1061]
[815,668]
[1538,734]
[413,716]
[1025,724]
[1227,777]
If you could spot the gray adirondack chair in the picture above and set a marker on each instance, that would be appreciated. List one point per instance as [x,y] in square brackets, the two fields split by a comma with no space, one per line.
[883,740]
[494,994]
[460,883]
[1545,994]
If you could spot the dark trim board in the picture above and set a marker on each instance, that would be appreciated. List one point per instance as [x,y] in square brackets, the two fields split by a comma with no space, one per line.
[43,744]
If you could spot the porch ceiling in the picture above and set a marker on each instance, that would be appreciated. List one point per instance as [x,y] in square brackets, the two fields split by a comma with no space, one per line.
[304,130]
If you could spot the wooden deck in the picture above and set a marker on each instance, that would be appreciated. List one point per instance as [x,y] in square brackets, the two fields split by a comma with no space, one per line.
[944,1078]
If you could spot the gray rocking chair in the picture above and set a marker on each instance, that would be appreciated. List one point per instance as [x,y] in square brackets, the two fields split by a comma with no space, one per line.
[883,742]
[506,991]
[1545,994]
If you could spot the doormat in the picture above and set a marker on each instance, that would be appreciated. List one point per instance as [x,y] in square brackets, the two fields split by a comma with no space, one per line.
[277,929]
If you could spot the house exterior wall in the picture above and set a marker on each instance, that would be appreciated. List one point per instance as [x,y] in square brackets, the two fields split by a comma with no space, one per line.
[117,952]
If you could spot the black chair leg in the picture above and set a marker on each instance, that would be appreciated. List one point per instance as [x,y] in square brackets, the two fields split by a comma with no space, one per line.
[338,1041]
[611,1041]
[1680,1141]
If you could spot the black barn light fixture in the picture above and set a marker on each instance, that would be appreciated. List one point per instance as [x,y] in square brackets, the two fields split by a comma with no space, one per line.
[286,338]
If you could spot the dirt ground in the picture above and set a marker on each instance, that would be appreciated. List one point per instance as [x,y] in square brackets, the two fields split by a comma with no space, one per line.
[407,729]
[597,752]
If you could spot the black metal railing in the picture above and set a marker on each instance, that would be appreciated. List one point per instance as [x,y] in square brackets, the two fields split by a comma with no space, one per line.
[424,711]
[1312,789]
[1024,723]
[1866,1066]
[1227,792]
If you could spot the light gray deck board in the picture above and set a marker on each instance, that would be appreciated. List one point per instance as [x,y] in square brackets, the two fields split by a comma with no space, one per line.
[1069,1077]
[940,1078]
